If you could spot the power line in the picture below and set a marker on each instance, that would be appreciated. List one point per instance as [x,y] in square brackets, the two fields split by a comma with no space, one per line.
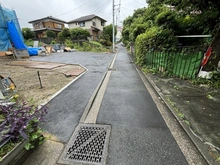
[99,8]
[127,9]
[139,3]
[74,9]
[123,14]
[118,13]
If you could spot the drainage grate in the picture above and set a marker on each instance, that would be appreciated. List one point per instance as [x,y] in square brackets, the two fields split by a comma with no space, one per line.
[88,145]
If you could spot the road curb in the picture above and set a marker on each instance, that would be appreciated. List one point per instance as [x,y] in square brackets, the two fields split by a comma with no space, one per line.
[92,98]
[200,146]
[196,141]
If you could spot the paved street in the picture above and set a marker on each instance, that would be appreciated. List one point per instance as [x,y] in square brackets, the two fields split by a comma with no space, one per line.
[139,134]
[66,109]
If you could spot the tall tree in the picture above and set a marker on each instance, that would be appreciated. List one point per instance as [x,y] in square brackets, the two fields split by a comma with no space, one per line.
[107,32]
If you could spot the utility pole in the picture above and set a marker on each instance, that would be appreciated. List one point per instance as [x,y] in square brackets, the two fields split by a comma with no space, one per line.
[113,26]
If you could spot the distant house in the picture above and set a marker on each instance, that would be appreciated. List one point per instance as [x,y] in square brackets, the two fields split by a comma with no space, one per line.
[93,23]
[40,26]
[119,34]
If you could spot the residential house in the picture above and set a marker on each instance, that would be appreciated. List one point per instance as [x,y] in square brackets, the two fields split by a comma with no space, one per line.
[119,34]
[93,23]
[40,26]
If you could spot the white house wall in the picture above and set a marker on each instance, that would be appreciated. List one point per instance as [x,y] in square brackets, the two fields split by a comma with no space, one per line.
[88,24]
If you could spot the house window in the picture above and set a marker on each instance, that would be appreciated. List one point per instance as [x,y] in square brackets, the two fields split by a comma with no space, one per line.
[93,23]
[82,24]
[38,25]
[59,26]
[102,23]
[76,23]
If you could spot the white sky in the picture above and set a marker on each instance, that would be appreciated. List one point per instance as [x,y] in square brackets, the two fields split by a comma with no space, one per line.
[67,10]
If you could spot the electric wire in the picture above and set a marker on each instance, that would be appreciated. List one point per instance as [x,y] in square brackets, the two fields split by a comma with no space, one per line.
[99,8]
[127,9]
[74,9]
[139,3]
[118,13]
[123,14]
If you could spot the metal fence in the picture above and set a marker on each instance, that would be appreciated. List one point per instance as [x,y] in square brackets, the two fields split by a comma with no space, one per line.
[183,63]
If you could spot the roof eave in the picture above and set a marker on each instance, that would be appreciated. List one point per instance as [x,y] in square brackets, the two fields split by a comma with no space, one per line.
[37,20]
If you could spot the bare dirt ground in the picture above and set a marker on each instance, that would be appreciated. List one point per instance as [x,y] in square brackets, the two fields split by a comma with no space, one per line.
[27,81]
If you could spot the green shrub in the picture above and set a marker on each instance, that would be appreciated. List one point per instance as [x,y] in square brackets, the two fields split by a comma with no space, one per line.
[95,43]
[69,43]
[154,38]
[50,33]
[29,42]
[53,41]
[79,32]
[88,47]
[143,44]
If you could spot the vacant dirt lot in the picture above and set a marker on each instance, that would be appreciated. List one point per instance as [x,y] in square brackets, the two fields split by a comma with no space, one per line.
[27,81]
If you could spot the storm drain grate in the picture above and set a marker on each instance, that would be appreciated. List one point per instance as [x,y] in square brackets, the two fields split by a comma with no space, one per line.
[88,145]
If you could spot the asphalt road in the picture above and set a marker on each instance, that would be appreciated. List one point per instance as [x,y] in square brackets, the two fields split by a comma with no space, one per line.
[139,134]
[66,109]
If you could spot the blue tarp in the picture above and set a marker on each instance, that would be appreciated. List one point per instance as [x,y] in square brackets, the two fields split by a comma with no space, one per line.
[17,41]
[14,36]
[7,15]
[10,31]
[33,51]
[4,40]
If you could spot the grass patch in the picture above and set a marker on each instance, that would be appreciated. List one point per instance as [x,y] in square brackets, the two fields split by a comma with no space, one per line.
[96,43]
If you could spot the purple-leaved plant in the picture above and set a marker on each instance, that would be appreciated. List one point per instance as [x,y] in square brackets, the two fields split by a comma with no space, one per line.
[20,120]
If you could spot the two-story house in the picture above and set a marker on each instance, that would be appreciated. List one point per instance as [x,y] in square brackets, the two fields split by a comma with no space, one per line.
[40,26]
[93,23]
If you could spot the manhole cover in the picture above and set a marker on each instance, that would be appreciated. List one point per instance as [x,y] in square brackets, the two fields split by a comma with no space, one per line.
[88,145]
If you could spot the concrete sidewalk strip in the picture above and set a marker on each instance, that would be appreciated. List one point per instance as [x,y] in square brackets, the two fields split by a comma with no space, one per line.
[46,154]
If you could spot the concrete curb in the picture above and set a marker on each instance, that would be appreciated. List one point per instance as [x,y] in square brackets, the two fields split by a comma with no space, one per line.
[200,146]
[92,98]
[198,142]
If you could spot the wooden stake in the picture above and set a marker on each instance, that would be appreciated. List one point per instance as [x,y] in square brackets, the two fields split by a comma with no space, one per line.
[38,73]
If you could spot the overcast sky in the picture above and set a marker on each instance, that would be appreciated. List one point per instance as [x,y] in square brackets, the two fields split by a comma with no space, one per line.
[67,10]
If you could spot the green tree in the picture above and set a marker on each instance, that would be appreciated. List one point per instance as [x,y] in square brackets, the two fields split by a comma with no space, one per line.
[107,32]
[79,32]
[64,34]
[201,11]
[28,33]
[50,33]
